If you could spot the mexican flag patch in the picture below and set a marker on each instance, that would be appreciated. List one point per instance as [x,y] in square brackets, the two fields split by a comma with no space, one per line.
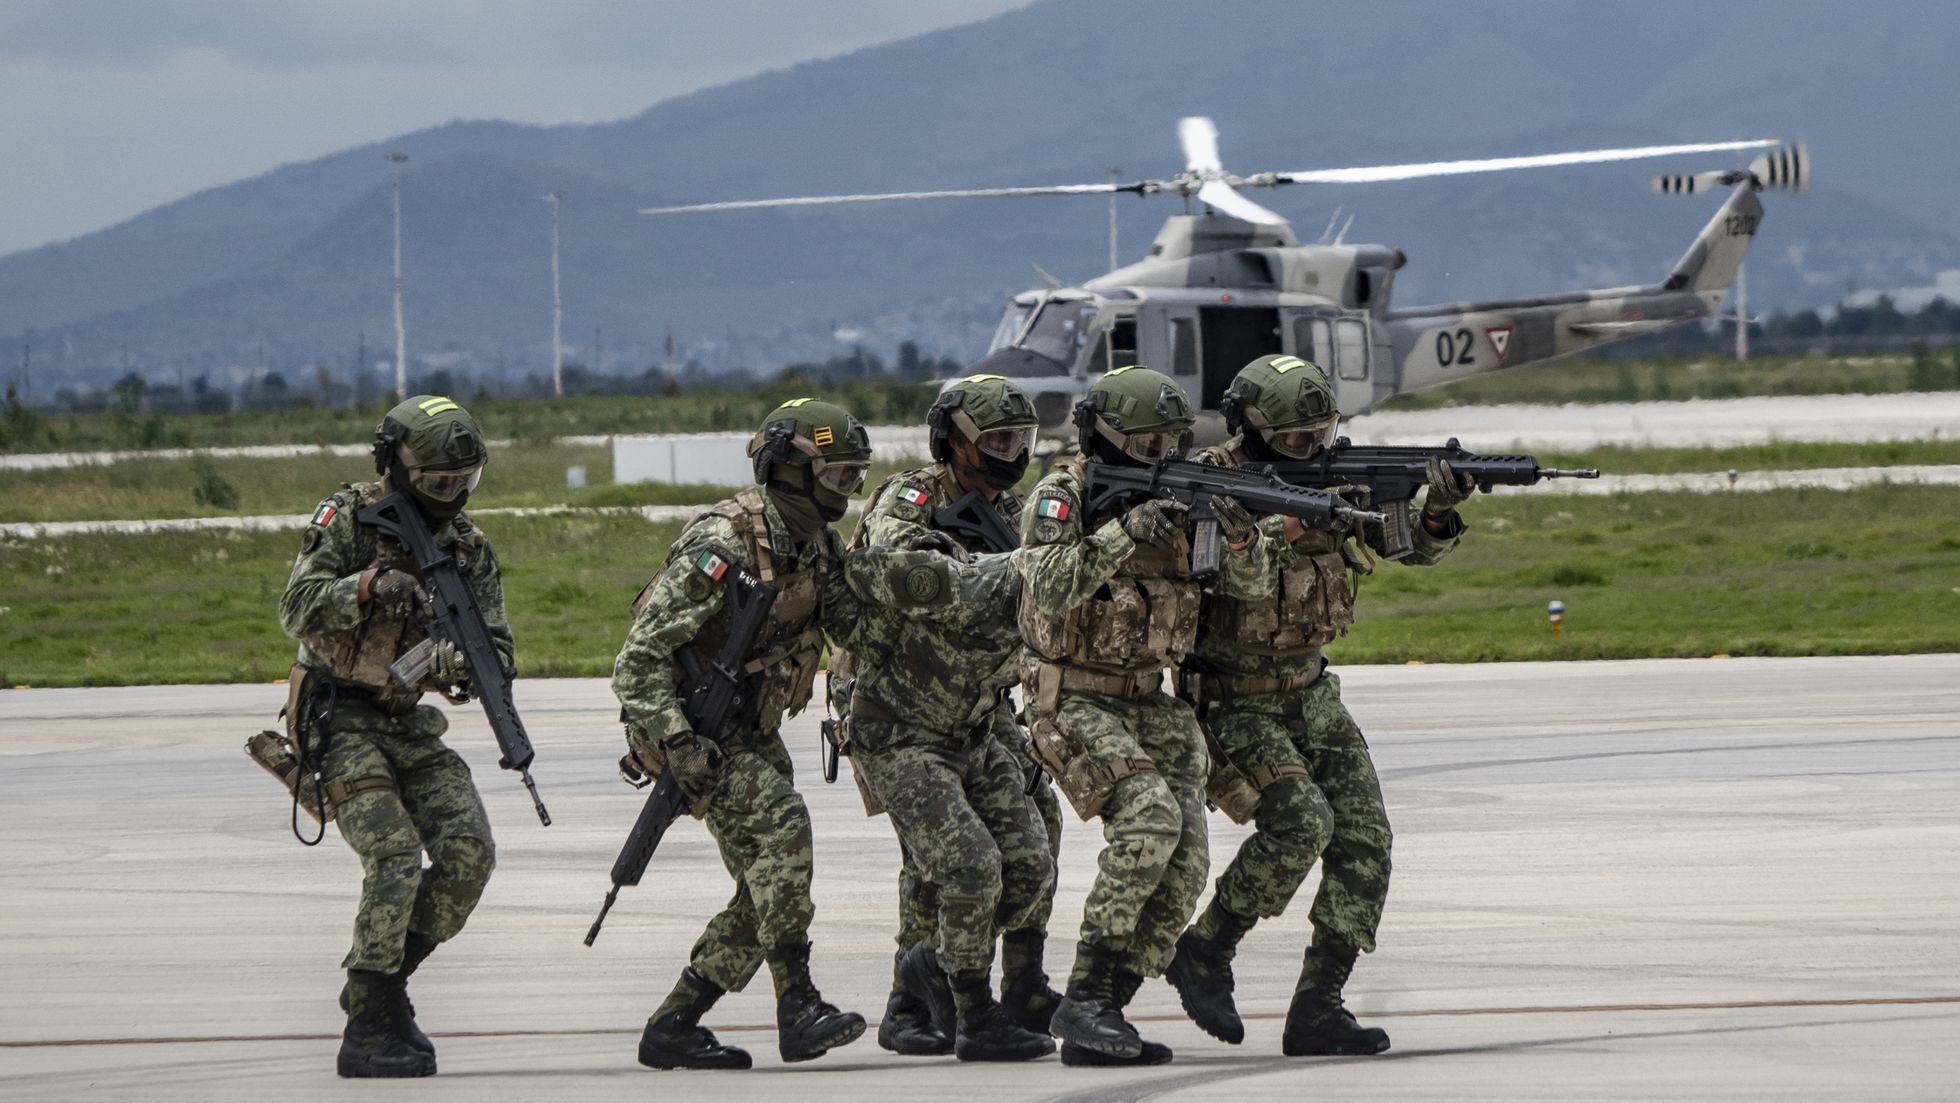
[914,495]
[1052,508]
[324,515]
[712,565]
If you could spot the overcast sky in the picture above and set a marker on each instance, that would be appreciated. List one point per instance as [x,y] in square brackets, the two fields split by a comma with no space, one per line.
[111,107]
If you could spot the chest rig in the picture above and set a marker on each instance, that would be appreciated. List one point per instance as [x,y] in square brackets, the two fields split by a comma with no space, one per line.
[783,664]
[1143,619]
[362,654]
[1315,602]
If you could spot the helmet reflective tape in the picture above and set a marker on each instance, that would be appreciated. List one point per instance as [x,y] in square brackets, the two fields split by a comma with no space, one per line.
[445,486]
[842,476]
[1284,364]
[437,404]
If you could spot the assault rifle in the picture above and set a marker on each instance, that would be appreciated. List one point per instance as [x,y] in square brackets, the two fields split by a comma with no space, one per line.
[974,518]
[715,691]
[1197,485]
[1394,474]
[457,620]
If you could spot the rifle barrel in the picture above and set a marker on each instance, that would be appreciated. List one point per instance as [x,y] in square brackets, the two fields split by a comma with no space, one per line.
[1569,473]
[592,935]
[544,817]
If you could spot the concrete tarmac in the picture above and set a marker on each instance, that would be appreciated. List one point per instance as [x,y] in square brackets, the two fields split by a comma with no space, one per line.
[1696,879]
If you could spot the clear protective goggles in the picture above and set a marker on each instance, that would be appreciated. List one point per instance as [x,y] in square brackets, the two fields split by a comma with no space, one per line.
[445,486]
[846,477]
[1303,441]
[1007,444]
[1151,447]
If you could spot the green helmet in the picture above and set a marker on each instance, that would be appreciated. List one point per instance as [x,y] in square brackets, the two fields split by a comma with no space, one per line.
[1134,413]
[1283,405]
[995,416]
[814,448]
[431,447]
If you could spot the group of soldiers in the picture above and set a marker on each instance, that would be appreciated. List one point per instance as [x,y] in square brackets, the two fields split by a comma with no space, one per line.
[928,626]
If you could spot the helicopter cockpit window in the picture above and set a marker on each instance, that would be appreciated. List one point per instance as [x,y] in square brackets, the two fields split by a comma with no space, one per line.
[1010,326]
[1059,331]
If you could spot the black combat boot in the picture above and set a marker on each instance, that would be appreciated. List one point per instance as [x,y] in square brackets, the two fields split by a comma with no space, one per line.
[1024,991]
[1123,989]
[806,1026]
[1318,1023]
[1202,971]
[1088,1018]
[416,949]
[373,1045]
[907,1029]
[675,1038]
[925,981]
[986,1033]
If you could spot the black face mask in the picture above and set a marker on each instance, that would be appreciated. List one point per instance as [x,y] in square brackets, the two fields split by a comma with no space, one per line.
[1108,452]
[805,510]
[997,473]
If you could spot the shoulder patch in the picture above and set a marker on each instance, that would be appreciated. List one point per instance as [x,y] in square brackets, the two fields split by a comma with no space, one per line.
[324,515]
[711,562]
[310,540]
[915,495]
[1052,507]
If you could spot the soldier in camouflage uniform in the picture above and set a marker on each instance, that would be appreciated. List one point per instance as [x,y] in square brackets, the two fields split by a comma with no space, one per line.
[933,736]
[1108,603]
[1286,754]
[355,603]
[810,457]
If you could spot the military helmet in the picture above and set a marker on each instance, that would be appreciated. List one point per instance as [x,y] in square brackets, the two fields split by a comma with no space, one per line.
[1137,412]
[1285,402]
[995,416]
[821,436]
[432,446]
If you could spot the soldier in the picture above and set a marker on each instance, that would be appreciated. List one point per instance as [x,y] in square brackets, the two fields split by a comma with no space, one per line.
[810,457]
[1286,754]
[355,603]
[933,735]
[1107,604]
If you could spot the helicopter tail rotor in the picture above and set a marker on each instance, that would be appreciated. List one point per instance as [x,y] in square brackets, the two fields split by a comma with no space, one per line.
[1785,168]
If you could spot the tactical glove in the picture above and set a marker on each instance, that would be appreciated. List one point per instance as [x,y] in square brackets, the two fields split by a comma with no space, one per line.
[1157,521]
[1446,488]
[696,764]
[936,541]
[396,594]
[1234,520]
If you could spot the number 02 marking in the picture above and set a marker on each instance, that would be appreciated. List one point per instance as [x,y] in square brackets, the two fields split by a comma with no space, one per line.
[1455,348]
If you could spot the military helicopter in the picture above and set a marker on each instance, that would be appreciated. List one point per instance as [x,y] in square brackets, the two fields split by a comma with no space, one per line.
[1232,283]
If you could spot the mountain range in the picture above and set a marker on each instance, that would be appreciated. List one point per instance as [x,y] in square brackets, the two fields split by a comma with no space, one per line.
[289,269]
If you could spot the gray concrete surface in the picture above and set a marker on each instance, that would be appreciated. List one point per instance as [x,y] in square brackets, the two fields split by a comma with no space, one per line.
[1695,879]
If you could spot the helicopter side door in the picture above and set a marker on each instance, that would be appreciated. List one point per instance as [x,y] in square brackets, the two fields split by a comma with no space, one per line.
[1233,336]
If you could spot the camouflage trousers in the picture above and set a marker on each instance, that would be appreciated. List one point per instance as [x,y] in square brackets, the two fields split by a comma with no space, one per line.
[762,827]
[433,808]
[1334,815]
[958,802]
[1154,864]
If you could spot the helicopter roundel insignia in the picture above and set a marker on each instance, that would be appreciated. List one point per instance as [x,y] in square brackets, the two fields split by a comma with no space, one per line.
[1500,340]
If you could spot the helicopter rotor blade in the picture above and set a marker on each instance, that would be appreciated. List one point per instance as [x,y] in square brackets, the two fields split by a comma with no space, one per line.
[1225,199]
[1378,173]
[969,193]
[1199,137]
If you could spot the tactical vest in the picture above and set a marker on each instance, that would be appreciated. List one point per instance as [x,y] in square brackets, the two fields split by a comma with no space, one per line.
[783,662]
[362,654]
[1140,621]
[1315,602]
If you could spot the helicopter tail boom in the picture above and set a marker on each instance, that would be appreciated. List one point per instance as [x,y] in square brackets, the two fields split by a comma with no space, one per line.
[1711,261]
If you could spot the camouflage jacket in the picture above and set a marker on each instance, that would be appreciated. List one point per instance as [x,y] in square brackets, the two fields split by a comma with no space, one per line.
[1095,598]
[933,674]
[823,593]
[350,641]
[1310,595]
